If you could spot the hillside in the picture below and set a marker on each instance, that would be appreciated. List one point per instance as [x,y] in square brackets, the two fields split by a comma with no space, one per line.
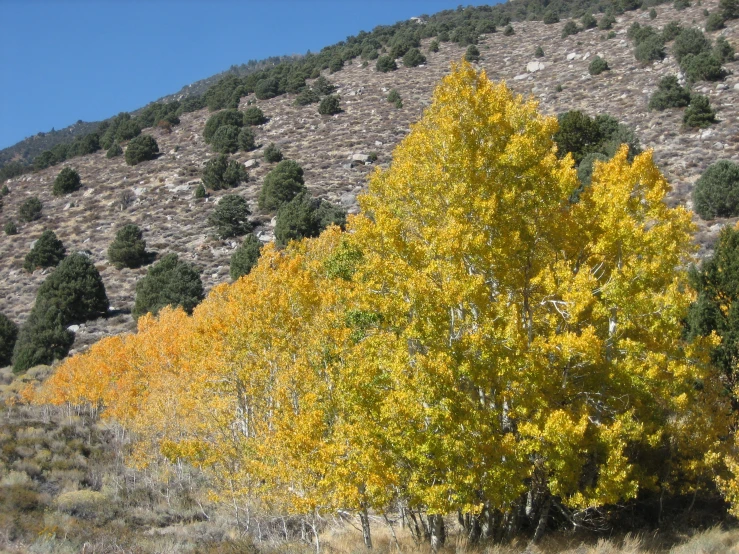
[158,195]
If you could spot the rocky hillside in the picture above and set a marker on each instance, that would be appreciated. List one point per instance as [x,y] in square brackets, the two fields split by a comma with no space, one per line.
[158,195]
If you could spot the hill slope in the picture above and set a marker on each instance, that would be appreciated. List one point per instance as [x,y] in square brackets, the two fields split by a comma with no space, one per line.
[158,195]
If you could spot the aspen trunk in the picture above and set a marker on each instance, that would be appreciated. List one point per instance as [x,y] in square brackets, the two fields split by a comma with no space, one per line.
[437,531]
[366,532]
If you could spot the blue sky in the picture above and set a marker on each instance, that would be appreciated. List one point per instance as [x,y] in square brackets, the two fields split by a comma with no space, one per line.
[65,60]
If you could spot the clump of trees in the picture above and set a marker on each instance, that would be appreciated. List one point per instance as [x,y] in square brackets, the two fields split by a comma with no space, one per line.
[169,282]
[480,334]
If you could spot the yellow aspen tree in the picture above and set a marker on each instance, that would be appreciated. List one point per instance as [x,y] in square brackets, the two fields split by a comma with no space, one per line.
[531,346]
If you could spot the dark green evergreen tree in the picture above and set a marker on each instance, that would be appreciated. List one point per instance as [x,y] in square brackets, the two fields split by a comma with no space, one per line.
[67,181]
[129,248]
[169,282]
[222,173]
[48,251]
[281,185]
[245,257]
[230,217]
[141,149]
[30,210]
[8,336]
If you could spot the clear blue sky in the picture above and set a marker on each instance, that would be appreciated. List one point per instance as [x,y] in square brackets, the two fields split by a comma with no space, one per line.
[65,60]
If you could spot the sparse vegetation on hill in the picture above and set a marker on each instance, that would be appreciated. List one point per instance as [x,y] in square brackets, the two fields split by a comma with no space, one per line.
[305,216]
[669,94]
[330,105]
[699,113]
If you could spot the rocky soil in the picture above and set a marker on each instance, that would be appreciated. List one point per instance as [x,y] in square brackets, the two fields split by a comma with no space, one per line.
[158,195]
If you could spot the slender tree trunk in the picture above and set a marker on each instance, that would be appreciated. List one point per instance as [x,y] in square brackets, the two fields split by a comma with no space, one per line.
[475,529]
[366,532]
[438,532]
[541,527]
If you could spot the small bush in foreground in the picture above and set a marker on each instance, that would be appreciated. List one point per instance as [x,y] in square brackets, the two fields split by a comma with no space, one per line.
[272,153]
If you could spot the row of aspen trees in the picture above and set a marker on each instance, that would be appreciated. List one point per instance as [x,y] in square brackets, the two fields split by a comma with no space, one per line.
[474,342]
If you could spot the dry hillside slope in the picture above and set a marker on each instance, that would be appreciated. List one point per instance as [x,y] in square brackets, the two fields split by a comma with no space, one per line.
[158,195]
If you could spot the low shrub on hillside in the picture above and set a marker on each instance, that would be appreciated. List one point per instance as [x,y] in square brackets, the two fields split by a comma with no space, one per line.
[141,149]
[305,216]
[588,21]
[30,210]
[226,139]
[413,58]
[669,94]
[723,50]
[66,182]
[690,41]
[569,29]
[716,193]
[472,54]
[10,228]
[306,96]
[48,251]
[254,116]
[247,140]
[221,119]
[550,17]
[699,113]
[230,217]
[323,86]
[114,151]
[169,282]
[714,22]
[128,249]
[329,105]
[581,135]
[394,98]
[272,154]
[598,66]
[385,64]
[702,67]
